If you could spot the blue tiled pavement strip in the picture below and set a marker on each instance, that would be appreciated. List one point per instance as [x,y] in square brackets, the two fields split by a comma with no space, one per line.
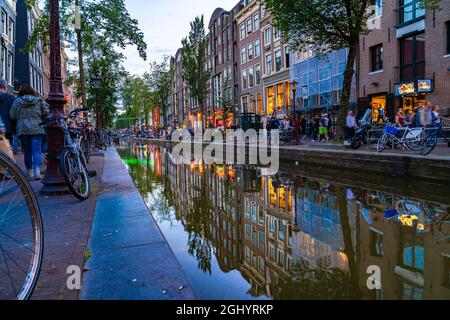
[130,259]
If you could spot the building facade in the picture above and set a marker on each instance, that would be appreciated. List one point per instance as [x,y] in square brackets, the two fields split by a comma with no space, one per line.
[29,67]
[405,60]
[8,32]
[320,80]
[276,66]
[248,21]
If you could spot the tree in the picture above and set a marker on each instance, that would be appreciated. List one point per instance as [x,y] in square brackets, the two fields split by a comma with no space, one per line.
[159,79]
[105,28]
[195,72]
[328,25]
[138,99]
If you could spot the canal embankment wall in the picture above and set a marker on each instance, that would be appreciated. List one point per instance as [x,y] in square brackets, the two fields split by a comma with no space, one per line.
[432,167]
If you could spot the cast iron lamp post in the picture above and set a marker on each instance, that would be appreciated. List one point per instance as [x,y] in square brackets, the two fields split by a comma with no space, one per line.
[294,92]
[53,181]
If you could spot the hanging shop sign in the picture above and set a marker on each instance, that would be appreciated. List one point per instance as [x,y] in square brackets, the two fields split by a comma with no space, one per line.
[424,86]
[405,88]
[421,86]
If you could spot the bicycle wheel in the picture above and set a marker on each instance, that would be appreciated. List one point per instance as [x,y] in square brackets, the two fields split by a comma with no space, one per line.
[429,144]
[373,138]
[75,175]
[21,233]
[382,143]
[85,147]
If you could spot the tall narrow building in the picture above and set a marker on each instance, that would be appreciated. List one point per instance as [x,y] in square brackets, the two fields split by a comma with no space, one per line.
[8,38]
[28,66]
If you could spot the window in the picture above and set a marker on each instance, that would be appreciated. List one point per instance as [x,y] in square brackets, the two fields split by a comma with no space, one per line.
[9,75]
[269,64]
[256,21]
[376,243]
[270,100]
[4,22]
[410,11]
[257,48]
[448,37]
[447,271]
[249,26]
[244,79]
[242,31]
[376,58]
[278,60]
[259,103]
[245,104]
[11,30]
[250,51]
[280,98]
[377,8]
[412,58]
[267,36]
[243,55]
[251,77]
[3,71]
[261,264]
[258,74]
[276,33]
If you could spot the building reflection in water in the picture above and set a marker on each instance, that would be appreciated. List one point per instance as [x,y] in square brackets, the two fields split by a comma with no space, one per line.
[300,238]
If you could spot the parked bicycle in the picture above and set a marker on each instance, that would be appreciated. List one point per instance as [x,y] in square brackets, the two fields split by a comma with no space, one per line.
[405,138]
[72,161]
[21,233]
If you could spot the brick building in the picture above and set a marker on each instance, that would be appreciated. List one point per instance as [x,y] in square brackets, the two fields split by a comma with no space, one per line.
[276,66]
[248,21]
[406,58]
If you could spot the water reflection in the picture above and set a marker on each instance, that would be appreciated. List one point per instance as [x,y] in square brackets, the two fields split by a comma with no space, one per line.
[291,237]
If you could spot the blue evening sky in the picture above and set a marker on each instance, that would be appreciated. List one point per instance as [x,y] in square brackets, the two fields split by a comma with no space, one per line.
[165,23]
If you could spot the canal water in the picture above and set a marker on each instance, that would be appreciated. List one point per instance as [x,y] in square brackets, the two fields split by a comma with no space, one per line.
[240,232]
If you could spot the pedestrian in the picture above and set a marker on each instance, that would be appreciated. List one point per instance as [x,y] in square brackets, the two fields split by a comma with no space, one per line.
[323,128]
[408,118]
[436,117]
[6,102]
[28,110]
[415,121]
[400,118]
[426,115]
[350,127]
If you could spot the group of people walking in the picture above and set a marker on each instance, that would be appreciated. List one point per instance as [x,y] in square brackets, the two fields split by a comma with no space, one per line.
[425,115]
[20,122]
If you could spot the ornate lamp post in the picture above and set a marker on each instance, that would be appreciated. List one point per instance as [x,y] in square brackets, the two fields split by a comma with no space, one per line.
[53,181]
[97,84]
[294,92]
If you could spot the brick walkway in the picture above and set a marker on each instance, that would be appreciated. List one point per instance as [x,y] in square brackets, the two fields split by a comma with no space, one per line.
[67,226]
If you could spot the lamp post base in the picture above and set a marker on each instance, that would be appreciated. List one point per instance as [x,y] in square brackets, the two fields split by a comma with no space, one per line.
[54,189]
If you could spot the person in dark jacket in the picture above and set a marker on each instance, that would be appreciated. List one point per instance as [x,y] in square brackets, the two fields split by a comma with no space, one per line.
[28,111]
[6,102]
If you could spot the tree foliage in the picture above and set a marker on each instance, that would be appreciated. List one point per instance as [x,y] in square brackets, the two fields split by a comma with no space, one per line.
[195,72]
[106,28]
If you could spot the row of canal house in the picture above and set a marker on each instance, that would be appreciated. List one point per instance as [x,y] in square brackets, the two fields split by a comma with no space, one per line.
[17,24]
[404,60]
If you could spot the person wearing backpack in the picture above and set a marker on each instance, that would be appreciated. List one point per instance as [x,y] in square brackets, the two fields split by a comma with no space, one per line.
[28,110]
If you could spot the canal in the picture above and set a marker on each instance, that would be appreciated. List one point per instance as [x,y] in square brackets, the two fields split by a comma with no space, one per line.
[240,232]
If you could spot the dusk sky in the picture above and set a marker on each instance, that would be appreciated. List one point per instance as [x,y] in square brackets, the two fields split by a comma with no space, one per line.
[165,23]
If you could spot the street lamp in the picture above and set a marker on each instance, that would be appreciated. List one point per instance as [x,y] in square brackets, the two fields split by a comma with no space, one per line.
[97,85]
[53,181]
[294,92]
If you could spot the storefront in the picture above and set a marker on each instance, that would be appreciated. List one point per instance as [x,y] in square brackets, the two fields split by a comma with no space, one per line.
[223,119]
[412,93]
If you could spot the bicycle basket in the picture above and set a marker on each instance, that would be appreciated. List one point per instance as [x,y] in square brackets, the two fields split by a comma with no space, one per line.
[390,130]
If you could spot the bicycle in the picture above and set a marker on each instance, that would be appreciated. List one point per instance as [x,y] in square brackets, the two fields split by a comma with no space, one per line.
[21,233]
[407,138]
[72,161]
[431,138]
